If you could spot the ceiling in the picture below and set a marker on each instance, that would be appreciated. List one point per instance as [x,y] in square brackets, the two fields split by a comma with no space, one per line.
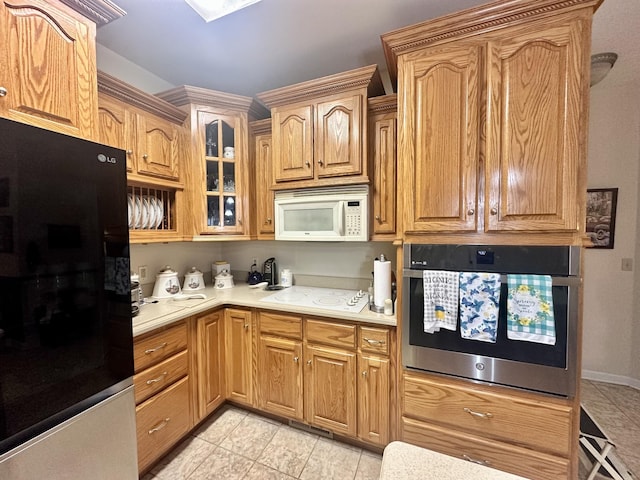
[275,43]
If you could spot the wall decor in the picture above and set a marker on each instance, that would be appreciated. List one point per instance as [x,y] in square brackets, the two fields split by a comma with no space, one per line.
[601,216]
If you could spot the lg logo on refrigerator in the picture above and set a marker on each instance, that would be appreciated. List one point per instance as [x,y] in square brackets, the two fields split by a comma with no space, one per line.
[105,159]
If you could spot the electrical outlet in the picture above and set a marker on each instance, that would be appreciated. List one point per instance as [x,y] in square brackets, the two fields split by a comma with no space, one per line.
[142,273]
[627,264]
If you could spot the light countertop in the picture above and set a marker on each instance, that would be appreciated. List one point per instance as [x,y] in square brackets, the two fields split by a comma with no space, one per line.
[403,461]
[166,311]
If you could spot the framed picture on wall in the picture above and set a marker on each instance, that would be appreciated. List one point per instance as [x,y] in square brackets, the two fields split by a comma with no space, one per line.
[601,216]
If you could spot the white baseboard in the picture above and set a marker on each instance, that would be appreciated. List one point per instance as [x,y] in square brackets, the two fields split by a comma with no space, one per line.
[611,378]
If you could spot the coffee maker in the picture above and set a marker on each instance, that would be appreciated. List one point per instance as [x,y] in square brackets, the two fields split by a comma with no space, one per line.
[270,271]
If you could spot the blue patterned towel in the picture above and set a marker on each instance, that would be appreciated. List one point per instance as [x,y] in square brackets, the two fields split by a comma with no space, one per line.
[479,305]
[440,300]
[530,309]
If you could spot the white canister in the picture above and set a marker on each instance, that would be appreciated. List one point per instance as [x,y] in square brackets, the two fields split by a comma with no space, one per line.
[286,277]
[229,152]
[218,267]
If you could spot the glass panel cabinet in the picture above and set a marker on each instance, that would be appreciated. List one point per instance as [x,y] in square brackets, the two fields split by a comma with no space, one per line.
[218,171]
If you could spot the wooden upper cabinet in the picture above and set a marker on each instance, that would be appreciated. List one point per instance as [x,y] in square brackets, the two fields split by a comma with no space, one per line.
[319,134]
[116,127]
[264,198]
[158,147]
[492,124]
[218,166]
[48,60]
[439,149]
[533,128]
[383,120]
[293,143]
[338,137]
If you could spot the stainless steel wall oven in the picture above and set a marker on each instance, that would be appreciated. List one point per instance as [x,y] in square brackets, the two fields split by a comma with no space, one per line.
[533,366]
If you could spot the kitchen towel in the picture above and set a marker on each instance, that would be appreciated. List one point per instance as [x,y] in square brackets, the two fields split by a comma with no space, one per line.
[440,300]
[530,309]
[479,305]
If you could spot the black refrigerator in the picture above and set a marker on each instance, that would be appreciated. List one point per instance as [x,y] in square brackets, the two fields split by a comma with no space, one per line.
[67,409]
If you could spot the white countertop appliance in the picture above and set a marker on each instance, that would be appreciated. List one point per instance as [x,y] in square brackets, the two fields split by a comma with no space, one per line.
[316,297]
[323,214]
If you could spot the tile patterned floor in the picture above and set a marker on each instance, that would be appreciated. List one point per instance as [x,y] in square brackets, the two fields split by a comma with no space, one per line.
[616,409]
[235,444]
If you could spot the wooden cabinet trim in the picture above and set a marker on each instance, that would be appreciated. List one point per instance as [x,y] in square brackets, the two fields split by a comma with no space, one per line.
[280,325]
[330,333]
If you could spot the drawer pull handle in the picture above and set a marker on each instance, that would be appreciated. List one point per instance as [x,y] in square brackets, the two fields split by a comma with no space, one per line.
[156,380]
[160,426]
[372,341]
[486,463]
[478,414]
[153,350]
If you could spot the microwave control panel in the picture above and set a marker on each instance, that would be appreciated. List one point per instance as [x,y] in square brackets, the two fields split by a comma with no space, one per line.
[353,218]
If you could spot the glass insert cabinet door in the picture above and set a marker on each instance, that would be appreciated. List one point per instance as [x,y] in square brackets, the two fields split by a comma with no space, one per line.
[219,135]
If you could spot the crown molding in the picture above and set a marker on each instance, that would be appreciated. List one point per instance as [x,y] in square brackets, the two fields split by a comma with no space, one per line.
[473,21]
[365,77]
[99,11]
[383,104]
[260,127]
[116,88]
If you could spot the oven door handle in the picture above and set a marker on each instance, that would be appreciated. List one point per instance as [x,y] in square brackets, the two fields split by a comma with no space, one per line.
[556,281]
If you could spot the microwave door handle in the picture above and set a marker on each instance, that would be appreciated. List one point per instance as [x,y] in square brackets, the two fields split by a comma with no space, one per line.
[341,214]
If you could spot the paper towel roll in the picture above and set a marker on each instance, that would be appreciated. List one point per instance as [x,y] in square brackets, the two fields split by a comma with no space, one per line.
[381,282]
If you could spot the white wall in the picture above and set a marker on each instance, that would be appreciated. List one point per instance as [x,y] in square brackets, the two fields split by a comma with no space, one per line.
[127,71]
[611,339]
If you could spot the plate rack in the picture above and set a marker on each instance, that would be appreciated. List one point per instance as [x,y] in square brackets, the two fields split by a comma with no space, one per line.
[151,208]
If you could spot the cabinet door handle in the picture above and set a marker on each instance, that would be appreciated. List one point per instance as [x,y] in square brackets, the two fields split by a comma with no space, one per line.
[493,211]
[246,326]
[152,350]
[307,164]
[268,220]
[3,92]
[378,219]
[145,156]
[372,341]
[156,380]
[129,152]
[160,426]
[471,212]
[478,414]
[473,460]
[364,374]
[320,162]
[309,362]
[295,359]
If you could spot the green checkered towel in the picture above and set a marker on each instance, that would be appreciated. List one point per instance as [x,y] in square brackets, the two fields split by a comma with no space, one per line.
[530,309]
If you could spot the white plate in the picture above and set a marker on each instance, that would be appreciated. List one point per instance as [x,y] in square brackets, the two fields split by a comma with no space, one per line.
[145,213]
[160,212]
[137,211]
[151,209]
[130,210]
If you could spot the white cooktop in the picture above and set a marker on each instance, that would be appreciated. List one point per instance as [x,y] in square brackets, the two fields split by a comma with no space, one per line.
[316,297]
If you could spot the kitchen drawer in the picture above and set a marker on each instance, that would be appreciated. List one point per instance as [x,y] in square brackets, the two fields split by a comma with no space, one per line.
[513,418]
[374,340]
[280,325]
[153,379]
[502,456]
[328,333]
[160,345]
[161,422]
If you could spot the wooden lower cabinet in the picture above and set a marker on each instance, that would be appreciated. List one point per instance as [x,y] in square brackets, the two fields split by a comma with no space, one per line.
[162,385]
[210,362]
[519,432]
[329,374]
[330,388]
[161,421]
[279,375]
[239,355]
[373,399]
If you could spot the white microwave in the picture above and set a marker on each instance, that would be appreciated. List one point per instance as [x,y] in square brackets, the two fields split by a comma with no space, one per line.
[323,214]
